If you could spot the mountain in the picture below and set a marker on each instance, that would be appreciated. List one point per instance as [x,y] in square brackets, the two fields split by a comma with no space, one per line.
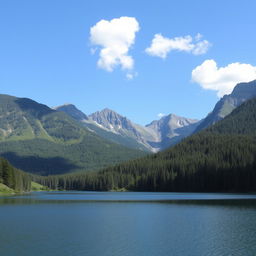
[241,93]
[121,125]
[156,136]
[159,134]
[38,139]
[104,132]
[171,129]
[219,158]
[72,111]
[153,137]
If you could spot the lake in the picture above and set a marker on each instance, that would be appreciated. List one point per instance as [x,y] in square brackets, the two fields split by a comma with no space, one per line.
[127,224]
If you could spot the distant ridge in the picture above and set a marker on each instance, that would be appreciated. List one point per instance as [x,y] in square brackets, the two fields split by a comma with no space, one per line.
[41,140]
[153,137]
[241,93]
[220,158]
[71,110]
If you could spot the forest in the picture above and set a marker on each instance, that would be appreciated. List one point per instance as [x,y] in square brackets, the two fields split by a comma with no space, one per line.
[13,178]
[219,158]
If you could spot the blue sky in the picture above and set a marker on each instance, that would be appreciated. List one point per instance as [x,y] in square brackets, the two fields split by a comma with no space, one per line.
[46,54]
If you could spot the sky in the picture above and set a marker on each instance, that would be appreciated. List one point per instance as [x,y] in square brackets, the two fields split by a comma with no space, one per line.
[143,59]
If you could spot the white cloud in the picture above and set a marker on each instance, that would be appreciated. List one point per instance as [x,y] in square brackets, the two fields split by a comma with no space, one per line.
[115,37]
[160,115]
[161,46]
[131,75]
[222,79]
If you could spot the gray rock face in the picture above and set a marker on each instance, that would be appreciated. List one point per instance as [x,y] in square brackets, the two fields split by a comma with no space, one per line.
[153,137]
[118,124]
[113,121]
[72,111]
[241,93]
[156,136]
[171,129]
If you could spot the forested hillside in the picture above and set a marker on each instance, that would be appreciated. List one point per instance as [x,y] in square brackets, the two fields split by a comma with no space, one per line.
[38,139]
[13,178]
[220,158]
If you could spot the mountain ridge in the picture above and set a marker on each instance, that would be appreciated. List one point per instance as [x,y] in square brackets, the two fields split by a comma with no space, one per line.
[241,93]
[148,137]
[38,139]
[220,158]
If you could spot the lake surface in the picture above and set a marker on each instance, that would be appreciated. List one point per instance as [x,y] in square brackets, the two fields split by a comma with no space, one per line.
[127,224]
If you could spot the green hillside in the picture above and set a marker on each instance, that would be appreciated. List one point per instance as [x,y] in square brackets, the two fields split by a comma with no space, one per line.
[37,139]
[220,158]
[5,190]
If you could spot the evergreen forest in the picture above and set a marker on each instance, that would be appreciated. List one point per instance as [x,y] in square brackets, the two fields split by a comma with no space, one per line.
[219,158]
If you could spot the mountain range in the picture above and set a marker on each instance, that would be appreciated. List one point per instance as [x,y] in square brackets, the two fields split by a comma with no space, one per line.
[42,140]
[38,139]
[221,158]
[153,137]
[159,134]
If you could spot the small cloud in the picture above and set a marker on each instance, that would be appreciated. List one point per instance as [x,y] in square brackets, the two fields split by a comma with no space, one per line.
[162,46]
[222,79]
[131,75]
[160,115]
[115,37]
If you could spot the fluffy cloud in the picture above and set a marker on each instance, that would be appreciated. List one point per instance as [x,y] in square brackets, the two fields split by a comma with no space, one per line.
[161,46]
[222,79]
[115,37]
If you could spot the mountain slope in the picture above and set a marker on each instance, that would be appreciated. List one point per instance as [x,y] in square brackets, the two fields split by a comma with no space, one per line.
[171,129]
[220,158]
[112,126]
[100,130]
[156,136]
[121,125]
[72,111]
[241,93]
[38,139]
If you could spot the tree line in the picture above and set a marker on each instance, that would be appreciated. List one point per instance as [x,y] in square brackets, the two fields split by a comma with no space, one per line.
[14,178]
[220,158]
[202,163]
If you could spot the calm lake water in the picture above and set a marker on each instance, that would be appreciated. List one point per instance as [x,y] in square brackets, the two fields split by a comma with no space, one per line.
[126,223]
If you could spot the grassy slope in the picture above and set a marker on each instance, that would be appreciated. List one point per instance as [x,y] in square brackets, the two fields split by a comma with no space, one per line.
[5,190]
[37,187]
[37,139]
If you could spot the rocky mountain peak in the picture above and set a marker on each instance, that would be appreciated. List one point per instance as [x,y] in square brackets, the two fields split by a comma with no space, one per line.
[111,120]
[72,111]
[155,136]
[244,90]
[241,93]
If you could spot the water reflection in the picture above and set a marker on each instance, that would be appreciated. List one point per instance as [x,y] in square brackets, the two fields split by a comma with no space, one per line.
[201,199]
[145,224]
